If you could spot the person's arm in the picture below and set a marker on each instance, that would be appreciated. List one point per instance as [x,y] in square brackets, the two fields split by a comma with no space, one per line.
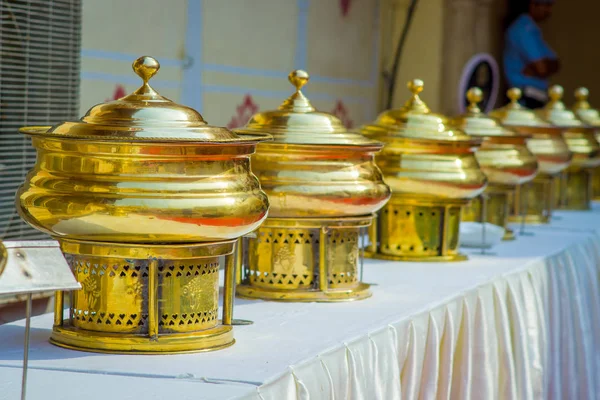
[543,68]
[541,60]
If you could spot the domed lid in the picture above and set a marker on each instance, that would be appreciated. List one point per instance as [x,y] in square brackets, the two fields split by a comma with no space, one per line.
[297,122]
[514,114]
[144,115]
[475,123]
[415,121]
[555,111]
[583,109]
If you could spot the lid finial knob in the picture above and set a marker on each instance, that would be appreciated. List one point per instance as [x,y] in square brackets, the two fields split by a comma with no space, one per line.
[514,94]
[298,78]
[555,92]
[474,96]
[146,67]
[581,94]
[415,86]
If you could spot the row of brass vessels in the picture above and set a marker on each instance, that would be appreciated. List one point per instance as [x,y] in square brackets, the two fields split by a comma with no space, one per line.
[147,201]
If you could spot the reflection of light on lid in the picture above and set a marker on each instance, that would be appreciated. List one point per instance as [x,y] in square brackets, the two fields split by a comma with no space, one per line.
[458,162]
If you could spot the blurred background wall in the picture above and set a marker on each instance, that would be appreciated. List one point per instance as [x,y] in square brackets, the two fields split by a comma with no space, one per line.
[573,32]
[230,58]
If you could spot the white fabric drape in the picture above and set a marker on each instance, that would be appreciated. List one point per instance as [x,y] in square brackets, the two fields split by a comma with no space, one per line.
[532,334]
[523,323]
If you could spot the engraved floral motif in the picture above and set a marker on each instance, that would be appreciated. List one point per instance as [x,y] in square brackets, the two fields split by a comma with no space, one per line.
[353,255]
[135,290]
[284,260]
[91,291]
[193,291]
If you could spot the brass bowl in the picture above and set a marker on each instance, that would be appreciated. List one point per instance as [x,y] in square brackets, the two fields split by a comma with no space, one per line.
[117,191]
[3,258]
[590,116]
[536,202]
[504,158]
[323,187]
[580,137]
[147,202]
[549,146]
[507,161]
[433,172]
[310,181]
[142,169]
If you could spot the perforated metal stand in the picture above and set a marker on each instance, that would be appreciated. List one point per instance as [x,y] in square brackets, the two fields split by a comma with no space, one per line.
[417,230]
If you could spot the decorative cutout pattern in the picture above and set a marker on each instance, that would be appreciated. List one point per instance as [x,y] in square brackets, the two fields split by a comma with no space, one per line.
[114,295]
[342,256]
[417,230]
[282,258]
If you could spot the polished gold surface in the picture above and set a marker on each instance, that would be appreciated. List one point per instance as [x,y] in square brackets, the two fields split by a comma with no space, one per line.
[546,141]
[305,259]
[550,149]
[144,197]
[535,201]
[583,109]
[3,257]
[128,173]
[144,298]
[504,158]
[419,229]
[314,167]
[323,187]
[582,142]
[496,203]
[590,116]
[433,172]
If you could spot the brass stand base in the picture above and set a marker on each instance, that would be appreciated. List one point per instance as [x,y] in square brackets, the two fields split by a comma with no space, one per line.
[508,235]
[596,185]
[146,298]
[452,257]
[304,259]
[578,189]
[497,200]
[70,337]
[358,293]
[535,200]
[417,229]
[530,219]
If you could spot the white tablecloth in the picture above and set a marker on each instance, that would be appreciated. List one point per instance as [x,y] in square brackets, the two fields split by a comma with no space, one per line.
[522,324]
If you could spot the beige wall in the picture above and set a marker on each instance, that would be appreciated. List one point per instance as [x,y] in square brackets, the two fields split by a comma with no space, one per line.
[573,32]
[246,48]
[422,55]
[238,48]
[443,36]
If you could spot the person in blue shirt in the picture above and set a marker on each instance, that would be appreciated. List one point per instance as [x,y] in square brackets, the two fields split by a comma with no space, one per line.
[528,60]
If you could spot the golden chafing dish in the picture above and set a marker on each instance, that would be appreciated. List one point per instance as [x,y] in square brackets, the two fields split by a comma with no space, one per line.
[144,197]
[433,173]
[580,138]
[3,258]
[535,201]
[590,116]
[323,186]
[503,157]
